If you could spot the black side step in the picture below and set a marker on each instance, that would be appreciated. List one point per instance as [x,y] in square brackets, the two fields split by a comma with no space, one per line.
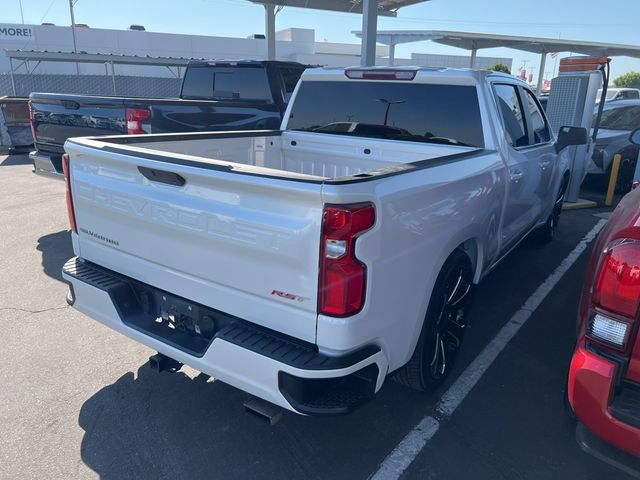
[626,405]
[601,450]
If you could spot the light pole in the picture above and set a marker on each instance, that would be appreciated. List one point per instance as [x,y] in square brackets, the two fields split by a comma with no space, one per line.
[21,14]
[73,32]
[388,103]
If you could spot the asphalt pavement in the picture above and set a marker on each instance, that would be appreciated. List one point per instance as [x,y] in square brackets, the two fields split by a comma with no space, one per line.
[78,400]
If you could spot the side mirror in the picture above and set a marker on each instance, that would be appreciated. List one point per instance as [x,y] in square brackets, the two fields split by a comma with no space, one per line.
[571,136]
[635,137]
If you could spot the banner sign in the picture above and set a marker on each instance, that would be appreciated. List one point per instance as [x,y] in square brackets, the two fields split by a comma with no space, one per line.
[15,32]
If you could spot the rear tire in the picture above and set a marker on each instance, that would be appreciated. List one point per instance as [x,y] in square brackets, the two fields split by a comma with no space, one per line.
[547,232]
[443,328]
[625,176]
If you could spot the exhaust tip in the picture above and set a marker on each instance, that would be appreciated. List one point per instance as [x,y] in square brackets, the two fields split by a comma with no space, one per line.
[264,410]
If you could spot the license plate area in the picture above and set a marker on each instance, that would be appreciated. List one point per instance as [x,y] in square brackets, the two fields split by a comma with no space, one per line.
[174,320]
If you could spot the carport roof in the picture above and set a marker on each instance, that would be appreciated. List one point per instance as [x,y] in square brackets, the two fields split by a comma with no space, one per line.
[95,58]
[476,41]
[385,7]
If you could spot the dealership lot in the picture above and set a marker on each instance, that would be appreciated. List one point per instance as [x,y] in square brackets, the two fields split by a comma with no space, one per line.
[78,400]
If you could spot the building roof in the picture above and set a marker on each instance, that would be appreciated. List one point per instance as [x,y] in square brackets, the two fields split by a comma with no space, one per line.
[385,7]
[474,41]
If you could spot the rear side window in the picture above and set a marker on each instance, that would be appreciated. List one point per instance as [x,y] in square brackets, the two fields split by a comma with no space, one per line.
[512,116]
[198,83]
[445,114]
[227,83]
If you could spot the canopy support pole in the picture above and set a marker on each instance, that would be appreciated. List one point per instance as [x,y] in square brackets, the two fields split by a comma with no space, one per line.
[392,54]
[113,78]
[270,30]
[474,55]
[543,63]
[369,32]
[13,82]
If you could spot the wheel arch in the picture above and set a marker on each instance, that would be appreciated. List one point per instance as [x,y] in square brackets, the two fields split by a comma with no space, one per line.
[472,248]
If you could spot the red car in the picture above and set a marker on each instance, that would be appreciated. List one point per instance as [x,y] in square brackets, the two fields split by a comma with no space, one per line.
[604,377]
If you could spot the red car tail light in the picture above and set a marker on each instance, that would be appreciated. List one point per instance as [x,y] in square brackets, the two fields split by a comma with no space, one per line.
[342,275]
[617,288]
[67,180]
[135,118]
[616,294]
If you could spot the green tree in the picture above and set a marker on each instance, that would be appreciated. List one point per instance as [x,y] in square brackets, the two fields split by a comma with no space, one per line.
[500,67]
[629,80]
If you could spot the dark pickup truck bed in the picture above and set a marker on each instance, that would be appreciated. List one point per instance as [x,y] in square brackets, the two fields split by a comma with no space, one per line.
[243,95]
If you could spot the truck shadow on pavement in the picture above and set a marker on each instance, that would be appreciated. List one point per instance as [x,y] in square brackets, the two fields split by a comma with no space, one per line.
[56,249]
[12,160]
[152,425]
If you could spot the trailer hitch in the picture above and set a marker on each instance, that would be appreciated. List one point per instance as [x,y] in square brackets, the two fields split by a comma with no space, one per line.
[162,363]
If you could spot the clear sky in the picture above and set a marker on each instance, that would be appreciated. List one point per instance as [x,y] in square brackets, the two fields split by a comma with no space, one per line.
[616,21]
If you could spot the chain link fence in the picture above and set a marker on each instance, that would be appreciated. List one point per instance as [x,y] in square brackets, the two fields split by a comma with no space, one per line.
[125,86]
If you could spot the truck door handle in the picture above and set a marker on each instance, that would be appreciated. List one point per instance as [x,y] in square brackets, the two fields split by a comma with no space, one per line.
[516,176]
[70,104]
[162,176]
[544,165]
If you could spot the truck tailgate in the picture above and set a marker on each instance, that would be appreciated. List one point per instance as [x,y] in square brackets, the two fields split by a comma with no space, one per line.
[247,246]
[57,117]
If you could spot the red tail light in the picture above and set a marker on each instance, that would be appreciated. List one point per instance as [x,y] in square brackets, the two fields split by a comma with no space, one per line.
[135,119]
[618,286]
[616,295]
[342,275]
[67,180]
[32,121]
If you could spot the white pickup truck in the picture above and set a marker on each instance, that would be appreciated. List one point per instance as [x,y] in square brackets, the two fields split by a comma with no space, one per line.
[306,265]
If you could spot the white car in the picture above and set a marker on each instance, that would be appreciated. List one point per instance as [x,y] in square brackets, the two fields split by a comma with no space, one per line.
[305,265]
[619,94]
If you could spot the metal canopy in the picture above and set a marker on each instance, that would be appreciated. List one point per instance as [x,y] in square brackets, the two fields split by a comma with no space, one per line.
[385,7]
[476,41]
[370,10]
[25,56]
[96,58]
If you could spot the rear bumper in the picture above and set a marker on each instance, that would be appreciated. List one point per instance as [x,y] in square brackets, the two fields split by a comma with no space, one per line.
[591,394]
[264,363]
[46,164]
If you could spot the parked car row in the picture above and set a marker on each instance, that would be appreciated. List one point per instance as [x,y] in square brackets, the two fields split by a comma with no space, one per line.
[618,120]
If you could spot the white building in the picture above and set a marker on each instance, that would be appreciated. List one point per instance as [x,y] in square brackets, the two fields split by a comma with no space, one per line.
[295,44]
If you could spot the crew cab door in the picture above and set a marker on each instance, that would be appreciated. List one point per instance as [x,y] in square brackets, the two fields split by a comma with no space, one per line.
[541,151]
[524,177]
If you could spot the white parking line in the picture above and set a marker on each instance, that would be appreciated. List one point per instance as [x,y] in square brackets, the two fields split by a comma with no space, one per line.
[413,443]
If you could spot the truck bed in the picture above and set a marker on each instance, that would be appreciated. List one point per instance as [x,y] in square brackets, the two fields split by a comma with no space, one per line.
[301,155]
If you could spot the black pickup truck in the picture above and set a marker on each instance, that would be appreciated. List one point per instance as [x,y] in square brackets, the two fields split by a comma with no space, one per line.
[215,95]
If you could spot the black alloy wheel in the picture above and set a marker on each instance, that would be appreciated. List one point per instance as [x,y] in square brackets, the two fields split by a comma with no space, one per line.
[625,176]
[444,326]
[547,232]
